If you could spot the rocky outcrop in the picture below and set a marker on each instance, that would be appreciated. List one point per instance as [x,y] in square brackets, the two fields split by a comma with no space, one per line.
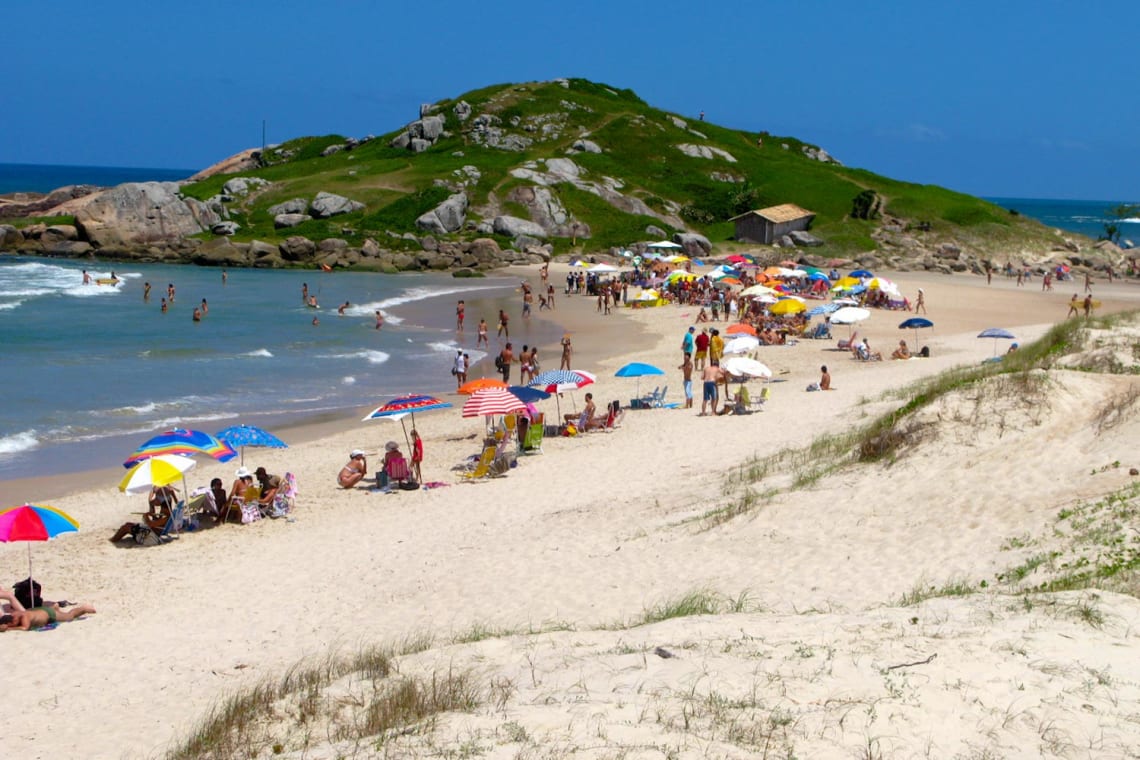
[291,206]
[142,212]
[241,186]
[16,205]
[804,238]
[445,218]
[422,133]
[705,151]
[512,226]
[693,243]
[284,221]
[239,162]
[585,146]
[330,204]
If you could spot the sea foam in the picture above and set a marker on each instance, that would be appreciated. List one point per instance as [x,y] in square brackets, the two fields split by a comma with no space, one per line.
[13,444]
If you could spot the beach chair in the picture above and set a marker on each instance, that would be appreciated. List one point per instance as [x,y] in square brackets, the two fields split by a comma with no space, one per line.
[762,397]
[659,400]
[511,424]
[173,524]
[246,506]
[397,470]
[532,443]
[846,344]
[483,467]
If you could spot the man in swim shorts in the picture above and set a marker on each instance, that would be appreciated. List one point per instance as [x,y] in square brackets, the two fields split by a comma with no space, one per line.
[711,376]
[39,617]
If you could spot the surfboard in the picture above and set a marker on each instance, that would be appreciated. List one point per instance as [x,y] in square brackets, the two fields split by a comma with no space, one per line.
[106,281]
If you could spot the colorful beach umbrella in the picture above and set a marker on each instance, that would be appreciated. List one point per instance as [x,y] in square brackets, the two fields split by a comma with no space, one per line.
[34,522]
[479,384]
[740,328]
[491,401]
[528,395]
[860,274]
[184,442]
[562,380]
[240,436]
[787,306]
[404,406]
[161,470]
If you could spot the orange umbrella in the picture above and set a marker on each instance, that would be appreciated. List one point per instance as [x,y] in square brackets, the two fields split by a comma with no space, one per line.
[475,385]
[740,328]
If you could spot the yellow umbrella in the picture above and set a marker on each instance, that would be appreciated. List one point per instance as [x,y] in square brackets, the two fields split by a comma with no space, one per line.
[845,283]
[787,306]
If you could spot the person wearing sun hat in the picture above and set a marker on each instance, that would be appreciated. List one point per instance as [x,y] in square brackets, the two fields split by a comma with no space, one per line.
[353,472]
[243,479]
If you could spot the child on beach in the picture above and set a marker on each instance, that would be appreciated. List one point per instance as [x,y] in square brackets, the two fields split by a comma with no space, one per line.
[40,617]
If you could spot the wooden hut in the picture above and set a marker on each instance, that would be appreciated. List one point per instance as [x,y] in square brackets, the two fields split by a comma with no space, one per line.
[767,225]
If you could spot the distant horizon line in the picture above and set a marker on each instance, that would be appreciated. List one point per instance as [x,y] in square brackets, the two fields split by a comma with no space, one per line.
[191,172]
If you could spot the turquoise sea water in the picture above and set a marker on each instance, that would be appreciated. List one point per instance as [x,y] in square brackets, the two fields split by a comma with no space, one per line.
[43,178]
[1085,217]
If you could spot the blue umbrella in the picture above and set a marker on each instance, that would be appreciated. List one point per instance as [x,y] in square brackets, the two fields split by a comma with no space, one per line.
[638,369]
[240,436]
[818,276]
[915,323]
[861,273]
[823,308]
[527,395]
[997,333]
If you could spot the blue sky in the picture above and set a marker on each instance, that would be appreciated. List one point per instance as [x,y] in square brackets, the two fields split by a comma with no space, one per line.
[998,98]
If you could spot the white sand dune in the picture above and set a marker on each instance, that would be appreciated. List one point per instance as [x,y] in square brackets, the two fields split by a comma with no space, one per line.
[599,528]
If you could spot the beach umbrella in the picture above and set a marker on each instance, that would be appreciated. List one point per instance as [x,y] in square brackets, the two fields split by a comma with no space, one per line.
[240,436]
[665,245]
[161,470]
[649,295]
[823,308]
[184,442]
[491,401]
[403,406]
[528,395]
[818,276]
[845,283]
[849,315]
[916,324]
[759,290]
[860,274]
[741,344]
[742,366]
[787,306]
[997,333]
[559,381]
[638,370]
[740,328]
[603,268]
[34,522]
[736,258]
[479,384]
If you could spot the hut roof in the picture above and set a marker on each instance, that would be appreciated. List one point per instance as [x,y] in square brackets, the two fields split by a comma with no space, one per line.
[785,212]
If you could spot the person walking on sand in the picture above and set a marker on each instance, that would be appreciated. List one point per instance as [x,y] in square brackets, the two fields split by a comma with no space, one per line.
[506,356]
[550,297]
[1088,305]
[567,352]
[1088,283]
[1074,307]
[460,308]
[687,374]
[482,339]
[504,327]
[920,302]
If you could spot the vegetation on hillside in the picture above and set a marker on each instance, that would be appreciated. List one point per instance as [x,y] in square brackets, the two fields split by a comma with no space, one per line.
[640,152]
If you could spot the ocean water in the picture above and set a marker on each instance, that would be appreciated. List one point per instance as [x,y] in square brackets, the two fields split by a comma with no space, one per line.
[1085,217]
[43,178]
[90,371]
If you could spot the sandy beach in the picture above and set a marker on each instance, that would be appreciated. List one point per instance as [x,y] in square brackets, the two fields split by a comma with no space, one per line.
[583,539]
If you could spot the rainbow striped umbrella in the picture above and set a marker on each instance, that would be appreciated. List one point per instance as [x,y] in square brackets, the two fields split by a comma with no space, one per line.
[34,522]
[184,442]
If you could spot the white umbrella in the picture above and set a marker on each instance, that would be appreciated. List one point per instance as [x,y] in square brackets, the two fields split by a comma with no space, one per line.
[741,345]
[759,290]
[849,315]
[603,268]
[669,244]
[742,366]
[649,295]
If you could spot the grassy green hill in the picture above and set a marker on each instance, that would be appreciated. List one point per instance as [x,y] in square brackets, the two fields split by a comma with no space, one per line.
[640,152]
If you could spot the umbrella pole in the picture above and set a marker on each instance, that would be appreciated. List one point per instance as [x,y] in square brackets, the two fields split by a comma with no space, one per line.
[31,583]
[405,429]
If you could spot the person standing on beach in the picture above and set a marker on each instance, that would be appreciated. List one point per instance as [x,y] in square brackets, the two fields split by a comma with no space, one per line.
[481,338]
[528,300]
[550,297]
[459,369]
[920,302]
[716,347]
[504,328]
[417,455]
[1088,283]
[525,373]
[506,356]
[567,352]
[702,344]
[460,308]
[687,344]
[1074,307]
[1088,306]
[710,377]
[687,373]
[146,292]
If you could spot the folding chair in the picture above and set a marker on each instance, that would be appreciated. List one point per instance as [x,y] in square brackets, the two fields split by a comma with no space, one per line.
[532,443]
[397,470]
[483,468]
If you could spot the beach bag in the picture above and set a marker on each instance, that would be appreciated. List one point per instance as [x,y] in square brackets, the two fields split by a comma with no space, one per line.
[28,593]
[499,362]
[250,512]
[409,485]
[144,536]
[280,506]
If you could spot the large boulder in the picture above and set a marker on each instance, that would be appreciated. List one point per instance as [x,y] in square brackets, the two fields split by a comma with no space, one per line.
[58,233]
[221,252]
[142,212]
[297,248]
[282,221]
[10,237]
[804,238]
[291,206]
[693,243]
[330,204]
[512,227]
[445,218]
[243,185]
[68,248]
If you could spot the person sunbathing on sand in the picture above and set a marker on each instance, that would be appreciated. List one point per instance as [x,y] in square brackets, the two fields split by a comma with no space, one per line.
[42,616]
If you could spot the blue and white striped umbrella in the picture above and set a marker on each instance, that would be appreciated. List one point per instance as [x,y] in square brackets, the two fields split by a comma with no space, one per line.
[823,308]
[561,380]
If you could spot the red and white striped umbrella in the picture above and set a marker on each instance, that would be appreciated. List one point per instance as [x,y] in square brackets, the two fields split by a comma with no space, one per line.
[489,401]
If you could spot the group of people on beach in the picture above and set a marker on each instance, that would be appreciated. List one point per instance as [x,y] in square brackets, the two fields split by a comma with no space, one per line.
[393,467]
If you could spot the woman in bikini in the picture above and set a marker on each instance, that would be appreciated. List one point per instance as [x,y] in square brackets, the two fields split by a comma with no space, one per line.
[40,617]
[353,472]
